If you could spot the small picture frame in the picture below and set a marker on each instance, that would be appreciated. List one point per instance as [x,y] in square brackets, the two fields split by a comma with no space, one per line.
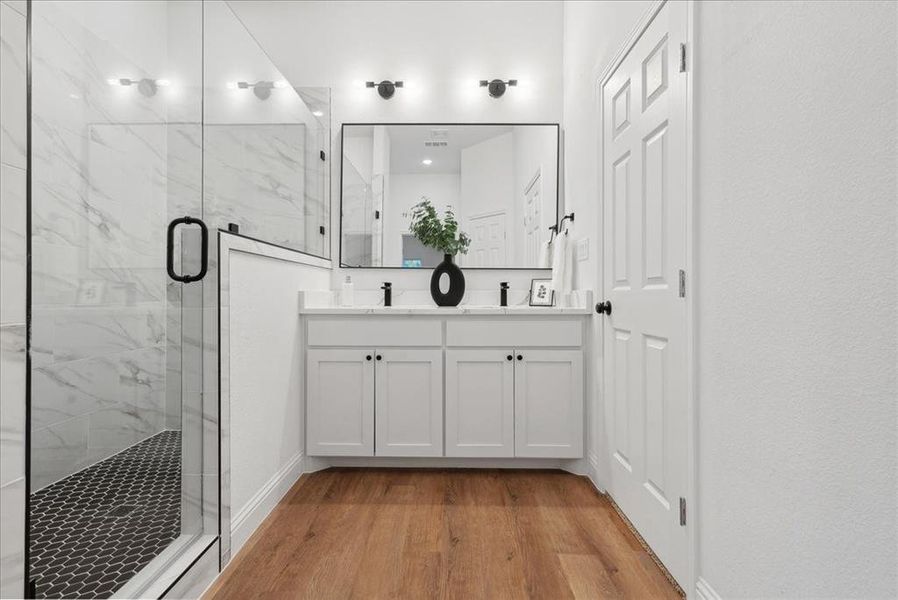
[90,292]
[541,293]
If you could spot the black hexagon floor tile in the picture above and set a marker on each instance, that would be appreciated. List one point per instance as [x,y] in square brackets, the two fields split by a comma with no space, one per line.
[92,531]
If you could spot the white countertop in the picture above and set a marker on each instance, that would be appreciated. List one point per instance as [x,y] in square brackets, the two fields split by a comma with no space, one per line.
[443,310]
[324,303]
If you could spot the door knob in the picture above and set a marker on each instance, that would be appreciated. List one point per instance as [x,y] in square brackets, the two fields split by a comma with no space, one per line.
[604,307]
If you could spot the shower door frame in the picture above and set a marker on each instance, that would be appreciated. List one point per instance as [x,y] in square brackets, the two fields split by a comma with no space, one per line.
[183,564]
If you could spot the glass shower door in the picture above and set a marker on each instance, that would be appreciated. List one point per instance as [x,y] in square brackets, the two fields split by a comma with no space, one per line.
[118,317]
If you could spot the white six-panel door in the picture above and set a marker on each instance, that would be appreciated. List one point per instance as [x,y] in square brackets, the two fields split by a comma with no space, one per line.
[480,403]
[409,407]
[548,403]
[644,185]
[340,396]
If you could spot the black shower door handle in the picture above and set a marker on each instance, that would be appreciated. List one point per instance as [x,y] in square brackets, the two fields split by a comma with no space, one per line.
[170,249]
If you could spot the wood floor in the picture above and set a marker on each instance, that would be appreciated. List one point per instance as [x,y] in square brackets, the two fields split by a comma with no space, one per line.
[389,533]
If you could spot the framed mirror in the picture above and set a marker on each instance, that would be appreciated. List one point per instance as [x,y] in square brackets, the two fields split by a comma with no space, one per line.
[500,180]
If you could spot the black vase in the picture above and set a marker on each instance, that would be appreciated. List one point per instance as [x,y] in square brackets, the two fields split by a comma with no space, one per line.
[456,283]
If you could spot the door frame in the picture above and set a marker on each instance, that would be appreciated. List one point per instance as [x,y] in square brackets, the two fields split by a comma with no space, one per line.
[690,265]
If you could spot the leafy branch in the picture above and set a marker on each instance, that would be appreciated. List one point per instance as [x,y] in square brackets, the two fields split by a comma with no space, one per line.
[442,234]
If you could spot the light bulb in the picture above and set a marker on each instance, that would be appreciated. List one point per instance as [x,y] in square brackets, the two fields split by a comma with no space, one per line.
[426,162]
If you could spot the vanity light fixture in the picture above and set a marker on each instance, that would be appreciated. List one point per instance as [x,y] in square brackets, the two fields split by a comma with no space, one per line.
[385,88]
[146,86]
[497,87]
[262,89]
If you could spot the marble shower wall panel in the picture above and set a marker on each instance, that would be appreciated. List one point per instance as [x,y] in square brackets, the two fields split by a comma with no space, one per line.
[13,230]
[256,177]
[111,167]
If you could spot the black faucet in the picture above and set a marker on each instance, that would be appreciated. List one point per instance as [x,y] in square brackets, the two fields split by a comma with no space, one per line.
[387,287]
[503,293]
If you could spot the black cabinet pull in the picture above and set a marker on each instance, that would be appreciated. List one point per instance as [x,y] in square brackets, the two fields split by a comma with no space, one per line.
[509,357]
[368,357]
[170,250]
[520,357]
[379,357]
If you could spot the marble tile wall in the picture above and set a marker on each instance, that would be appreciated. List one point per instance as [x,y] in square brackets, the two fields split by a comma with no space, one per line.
[13,211]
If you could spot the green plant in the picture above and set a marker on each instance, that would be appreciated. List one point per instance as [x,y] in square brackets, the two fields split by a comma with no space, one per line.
[431,231]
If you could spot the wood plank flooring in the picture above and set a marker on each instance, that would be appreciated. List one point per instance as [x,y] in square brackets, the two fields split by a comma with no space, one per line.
[466,534]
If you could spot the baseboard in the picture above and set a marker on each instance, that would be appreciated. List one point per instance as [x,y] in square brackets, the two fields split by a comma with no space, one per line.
[251,515]
[442,462]
[704,591]
[593,472]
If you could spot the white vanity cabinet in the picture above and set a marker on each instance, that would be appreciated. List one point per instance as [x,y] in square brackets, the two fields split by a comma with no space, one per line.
[548,403]
[443,382]
[340,402]
[408,401]
[479,403]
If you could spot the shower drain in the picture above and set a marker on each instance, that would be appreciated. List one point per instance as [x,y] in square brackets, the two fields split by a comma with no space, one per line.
[121,511]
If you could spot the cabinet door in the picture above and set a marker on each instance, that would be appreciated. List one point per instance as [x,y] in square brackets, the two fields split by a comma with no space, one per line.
[340,398]
[549,403]
[479,403]
[409,402]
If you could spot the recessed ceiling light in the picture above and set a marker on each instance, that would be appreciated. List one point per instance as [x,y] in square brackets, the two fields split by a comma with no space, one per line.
[317,113]
[426,162]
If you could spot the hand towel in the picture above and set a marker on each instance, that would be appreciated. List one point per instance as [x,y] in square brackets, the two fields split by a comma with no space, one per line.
[560,265]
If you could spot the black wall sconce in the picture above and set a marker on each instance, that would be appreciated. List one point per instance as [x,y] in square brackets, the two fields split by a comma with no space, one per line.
[261,89]
[385,88]
[497,87]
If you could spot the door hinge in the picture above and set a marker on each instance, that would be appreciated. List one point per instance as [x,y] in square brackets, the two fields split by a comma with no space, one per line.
[682,58]
[682,511]
[682,283]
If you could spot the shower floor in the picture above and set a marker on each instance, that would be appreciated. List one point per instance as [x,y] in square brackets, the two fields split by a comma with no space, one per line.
[92,531]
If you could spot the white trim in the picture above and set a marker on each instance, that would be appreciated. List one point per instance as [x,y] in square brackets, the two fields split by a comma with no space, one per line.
[704,591]
[446,462]
[246,520]
[691,316]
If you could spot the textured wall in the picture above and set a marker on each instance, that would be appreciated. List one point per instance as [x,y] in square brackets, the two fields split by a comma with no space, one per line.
[12,297]
[796,283]
[796,109]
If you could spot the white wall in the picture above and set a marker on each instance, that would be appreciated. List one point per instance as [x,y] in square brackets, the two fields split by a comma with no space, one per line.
[795,284]
[266,369]
[442,48]
[797,298]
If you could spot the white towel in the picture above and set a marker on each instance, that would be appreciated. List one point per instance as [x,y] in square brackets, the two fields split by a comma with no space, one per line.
[561,269]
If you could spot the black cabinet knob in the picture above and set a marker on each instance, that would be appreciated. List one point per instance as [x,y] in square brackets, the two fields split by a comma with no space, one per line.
[368,357]
[509,357]
[520,357]
[379,357]
[604,307]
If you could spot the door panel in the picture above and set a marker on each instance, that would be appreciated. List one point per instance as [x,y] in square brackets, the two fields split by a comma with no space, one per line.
[409,402]
[644,188]
[479,403]
[549,403]
[340,402]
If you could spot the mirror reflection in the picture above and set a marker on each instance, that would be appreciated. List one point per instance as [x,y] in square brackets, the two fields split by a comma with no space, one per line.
[501,182]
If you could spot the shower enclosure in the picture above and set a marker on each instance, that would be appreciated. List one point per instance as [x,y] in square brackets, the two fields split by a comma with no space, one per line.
[154,124]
